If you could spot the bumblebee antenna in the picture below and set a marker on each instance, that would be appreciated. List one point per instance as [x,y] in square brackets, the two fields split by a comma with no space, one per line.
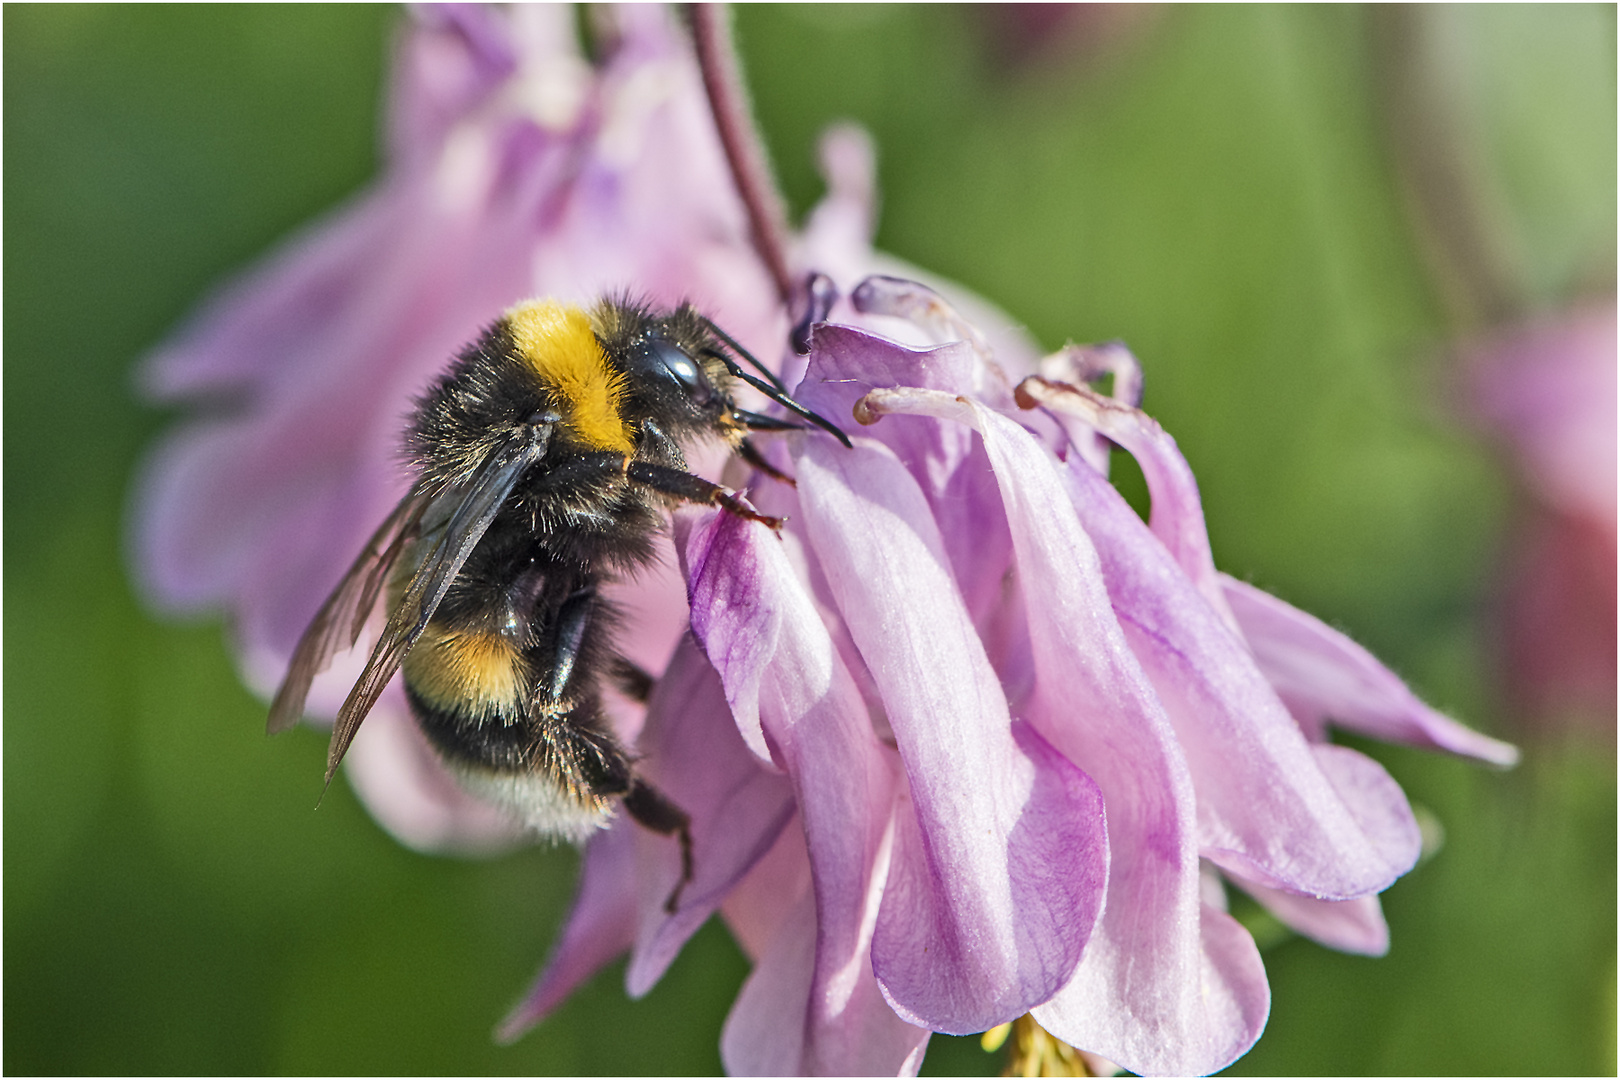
[772,389]
[782,399]
[731,343]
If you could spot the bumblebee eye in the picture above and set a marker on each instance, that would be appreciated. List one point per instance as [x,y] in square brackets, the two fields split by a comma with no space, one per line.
[665,359]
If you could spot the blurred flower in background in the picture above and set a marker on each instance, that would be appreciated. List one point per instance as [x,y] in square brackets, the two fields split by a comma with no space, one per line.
[1548,390]
[1536,355]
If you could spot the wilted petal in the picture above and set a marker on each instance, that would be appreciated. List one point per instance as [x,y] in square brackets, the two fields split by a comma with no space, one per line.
[1321,675]
[1137,996]
[600,927]
[694,756]
[997,878]
[1266,809]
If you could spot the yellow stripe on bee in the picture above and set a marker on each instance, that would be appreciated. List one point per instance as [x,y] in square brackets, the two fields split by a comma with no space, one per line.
[477,674]
[557,340]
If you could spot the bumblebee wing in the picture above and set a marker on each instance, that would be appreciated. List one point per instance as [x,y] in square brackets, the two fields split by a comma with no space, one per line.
[337,625]
[474,505]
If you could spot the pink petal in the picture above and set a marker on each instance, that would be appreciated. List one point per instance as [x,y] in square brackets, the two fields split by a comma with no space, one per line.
[1177,515]
[1352,926]
[600,927]
[1266,810]
[694,756]
[760,1039]
[264,513]
[978,923]
[1549,386]
[945,460]
[1375,801]
[837,235]
[1321,675]
[319,351]
[1228,985]
[760,904]
[748,605]
[1137,997]
[453,57]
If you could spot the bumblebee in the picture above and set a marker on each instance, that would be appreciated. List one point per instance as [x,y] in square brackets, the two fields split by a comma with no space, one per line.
[544,461]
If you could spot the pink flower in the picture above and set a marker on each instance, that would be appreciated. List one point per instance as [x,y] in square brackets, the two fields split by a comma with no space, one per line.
[1547,389]
[514,169]
[989,725]
[966,741]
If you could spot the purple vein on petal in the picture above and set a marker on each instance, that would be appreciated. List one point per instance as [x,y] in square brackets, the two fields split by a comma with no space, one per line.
[1266,809]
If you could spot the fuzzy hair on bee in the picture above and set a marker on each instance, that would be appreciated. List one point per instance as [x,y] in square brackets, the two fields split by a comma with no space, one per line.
[544,462]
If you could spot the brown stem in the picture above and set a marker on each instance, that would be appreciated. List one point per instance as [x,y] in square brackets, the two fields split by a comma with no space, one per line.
[1448,204]
[745,151]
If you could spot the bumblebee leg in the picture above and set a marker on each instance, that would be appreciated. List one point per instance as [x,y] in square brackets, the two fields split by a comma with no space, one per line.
[683,485]
[572,619]
[649,807]
[750,453]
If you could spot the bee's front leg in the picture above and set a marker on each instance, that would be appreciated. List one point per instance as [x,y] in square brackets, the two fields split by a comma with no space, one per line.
[683,485]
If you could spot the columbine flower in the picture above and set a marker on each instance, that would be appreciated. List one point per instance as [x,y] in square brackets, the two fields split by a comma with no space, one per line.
[966,742]
[514,168]
[972,728]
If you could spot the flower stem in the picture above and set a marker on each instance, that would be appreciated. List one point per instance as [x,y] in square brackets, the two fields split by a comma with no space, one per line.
[745,151]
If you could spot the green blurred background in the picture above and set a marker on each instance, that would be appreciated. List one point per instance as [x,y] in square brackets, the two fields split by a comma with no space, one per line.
[1214,185]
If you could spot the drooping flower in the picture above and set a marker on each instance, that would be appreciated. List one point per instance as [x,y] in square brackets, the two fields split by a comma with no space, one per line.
[990,727]
[513,168]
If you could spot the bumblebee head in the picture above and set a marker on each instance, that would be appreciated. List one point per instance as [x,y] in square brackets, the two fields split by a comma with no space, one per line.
[675,377]
[680,371]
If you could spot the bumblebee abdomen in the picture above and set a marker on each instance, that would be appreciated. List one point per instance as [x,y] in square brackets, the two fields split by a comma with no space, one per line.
[559,774]
[482,675]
